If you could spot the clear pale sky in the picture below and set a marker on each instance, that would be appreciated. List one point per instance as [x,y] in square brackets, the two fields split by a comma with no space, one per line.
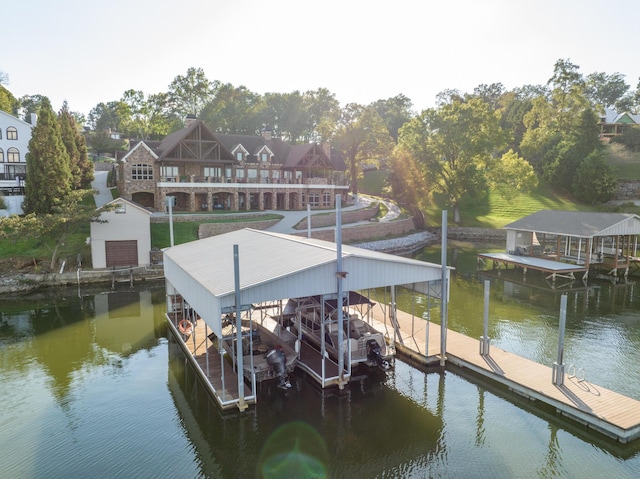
[89,52]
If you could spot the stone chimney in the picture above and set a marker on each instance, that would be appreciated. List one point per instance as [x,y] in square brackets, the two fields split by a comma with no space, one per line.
[190,118]
[266,132]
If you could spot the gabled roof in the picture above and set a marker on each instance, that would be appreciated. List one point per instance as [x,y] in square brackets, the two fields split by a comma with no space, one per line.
[141,144]
[121,200]
[196,127]
[578,223]
[14,119]
[612,116]
[278,266]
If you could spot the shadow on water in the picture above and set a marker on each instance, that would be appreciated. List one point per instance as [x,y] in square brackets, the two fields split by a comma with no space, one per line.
[368,430]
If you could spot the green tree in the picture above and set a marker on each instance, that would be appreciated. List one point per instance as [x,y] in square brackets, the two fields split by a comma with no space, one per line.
[54,229]
[395,112]
[189,93]
[605,90]
[234,110]
[593,180]
[8,102]
[31,104]
[362,137]
[74,141]
[456,144]
[49,180]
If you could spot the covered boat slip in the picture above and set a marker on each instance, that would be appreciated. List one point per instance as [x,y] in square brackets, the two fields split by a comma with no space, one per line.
[566,243]
[234,272]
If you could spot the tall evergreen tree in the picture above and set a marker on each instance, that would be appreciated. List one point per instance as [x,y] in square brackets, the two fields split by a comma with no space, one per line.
[76,146]
[49,180]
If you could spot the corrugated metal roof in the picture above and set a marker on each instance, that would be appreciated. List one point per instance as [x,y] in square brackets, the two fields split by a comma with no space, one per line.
[277,266]
[578,223]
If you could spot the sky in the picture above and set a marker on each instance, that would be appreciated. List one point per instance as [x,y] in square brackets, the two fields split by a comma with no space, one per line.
[360,50]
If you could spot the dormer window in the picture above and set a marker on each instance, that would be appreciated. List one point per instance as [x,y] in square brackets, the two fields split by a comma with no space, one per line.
[264,157]
[239,156]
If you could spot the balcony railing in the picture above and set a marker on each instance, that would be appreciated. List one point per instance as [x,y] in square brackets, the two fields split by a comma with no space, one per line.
[255,181]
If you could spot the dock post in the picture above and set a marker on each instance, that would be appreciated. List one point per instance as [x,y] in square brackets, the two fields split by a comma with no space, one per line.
[443,292]
[558,365]
[485,340]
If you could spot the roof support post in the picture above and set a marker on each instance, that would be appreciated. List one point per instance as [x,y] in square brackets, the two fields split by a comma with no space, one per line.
[239,360]
[444,294]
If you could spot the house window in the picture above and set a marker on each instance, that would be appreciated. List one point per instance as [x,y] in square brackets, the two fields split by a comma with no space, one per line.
[214,173]
[142,172]
[252,173]
[239,156]
[12,133]
[0,133]
[314,199]
[264,157]
[240,173]
[1,155]
[326,198]
[121,208]
[13,155]
[169,173]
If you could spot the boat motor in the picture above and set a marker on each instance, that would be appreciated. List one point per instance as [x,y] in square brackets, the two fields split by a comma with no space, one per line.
[276,358]
[374,354]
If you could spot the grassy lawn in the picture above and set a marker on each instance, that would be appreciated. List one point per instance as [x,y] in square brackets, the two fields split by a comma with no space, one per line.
[624,163]
[186,231]
[373,182]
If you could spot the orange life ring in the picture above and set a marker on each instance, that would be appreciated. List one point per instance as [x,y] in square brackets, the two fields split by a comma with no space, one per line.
[185,326]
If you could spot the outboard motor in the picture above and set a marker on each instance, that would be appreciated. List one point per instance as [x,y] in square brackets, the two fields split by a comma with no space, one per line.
[374,354]
[276,358]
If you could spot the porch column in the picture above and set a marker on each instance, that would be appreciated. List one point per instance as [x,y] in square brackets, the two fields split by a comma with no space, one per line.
[261,200]
[192,201]
[209,200]
[236,202]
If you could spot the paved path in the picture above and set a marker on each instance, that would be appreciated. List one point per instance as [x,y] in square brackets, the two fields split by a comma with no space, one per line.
[103,195]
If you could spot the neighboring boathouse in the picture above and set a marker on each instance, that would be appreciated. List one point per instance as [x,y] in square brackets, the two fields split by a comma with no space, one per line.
[566,243]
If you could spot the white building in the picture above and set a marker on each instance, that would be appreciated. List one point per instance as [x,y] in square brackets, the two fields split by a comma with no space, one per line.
[15,135]
[124,239]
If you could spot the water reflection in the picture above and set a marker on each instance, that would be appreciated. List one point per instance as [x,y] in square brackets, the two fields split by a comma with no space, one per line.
[370,428]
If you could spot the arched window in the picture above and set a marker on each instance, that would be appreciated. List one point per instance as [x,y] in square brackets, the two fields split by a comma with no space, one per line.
[0,133]
[13,155]
[12,133]
[1,155]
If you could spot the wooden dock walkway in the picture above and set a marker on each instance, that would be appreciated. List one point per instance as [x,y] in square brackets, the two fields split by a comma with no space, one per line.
[214,369]
[605,411]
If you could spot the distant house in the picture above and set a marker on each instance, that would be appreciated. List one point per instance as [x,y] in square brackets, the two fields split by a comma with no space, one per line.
[613,123]
[205,171]
[124,239]
[15,135]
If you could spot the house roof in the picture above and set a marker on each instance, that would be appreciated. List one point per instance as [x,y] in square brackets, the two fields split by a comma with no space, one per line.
[13,119]
[612,116]
[276,266]
[131,203]
[578,223]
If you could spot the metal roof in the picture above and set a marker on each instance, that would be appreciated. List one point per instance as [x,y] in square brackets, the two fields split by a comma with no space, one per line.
[275,266]
[578,223]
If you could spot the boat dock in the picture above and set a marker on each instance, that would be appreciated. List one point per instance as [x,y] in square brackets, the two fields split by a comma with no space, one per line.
[216,373]
[607,412]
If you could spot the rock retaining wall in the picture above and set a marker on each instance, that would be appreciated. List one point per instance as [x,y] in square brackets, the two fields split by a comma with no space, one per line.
[329,219]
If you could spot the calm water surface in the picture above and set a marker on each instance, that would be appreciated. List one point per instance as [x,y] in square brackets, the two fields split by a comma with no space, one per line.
[92,387]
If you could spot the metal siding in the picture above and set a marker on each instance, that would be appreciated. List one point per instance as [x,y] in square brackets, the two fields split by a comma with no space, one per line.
[274,267]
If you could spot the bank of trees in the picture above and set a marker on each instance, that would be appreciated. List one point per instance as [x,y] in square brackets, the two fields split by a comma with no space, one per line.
[468,143]
[57,200]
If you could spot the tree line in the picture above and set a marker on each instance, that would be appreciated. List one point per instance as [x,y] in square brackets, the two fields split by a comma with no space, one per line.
[468,142]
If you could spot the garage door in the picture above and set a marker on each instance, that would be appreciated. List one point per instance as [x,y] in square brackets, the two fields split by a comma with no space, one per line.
[121,253]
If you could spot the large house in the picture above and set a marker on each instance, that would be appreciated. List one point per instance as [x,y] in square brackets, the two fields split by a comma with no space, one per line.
[613,123]
[202,171]
[15,135]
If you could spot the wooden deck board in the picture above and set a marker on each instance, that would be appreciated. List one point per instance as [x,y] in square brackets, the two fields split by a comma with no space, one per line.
[608,411]
[199,346]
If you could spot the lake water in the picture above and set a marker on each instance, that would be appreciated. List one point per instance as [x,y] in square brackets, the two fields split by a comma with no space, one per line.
[93,387]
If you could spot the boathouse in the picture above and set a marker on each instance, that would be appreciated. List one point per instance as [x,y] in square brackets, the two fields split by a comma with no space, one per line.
[565,243]
[238,273]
